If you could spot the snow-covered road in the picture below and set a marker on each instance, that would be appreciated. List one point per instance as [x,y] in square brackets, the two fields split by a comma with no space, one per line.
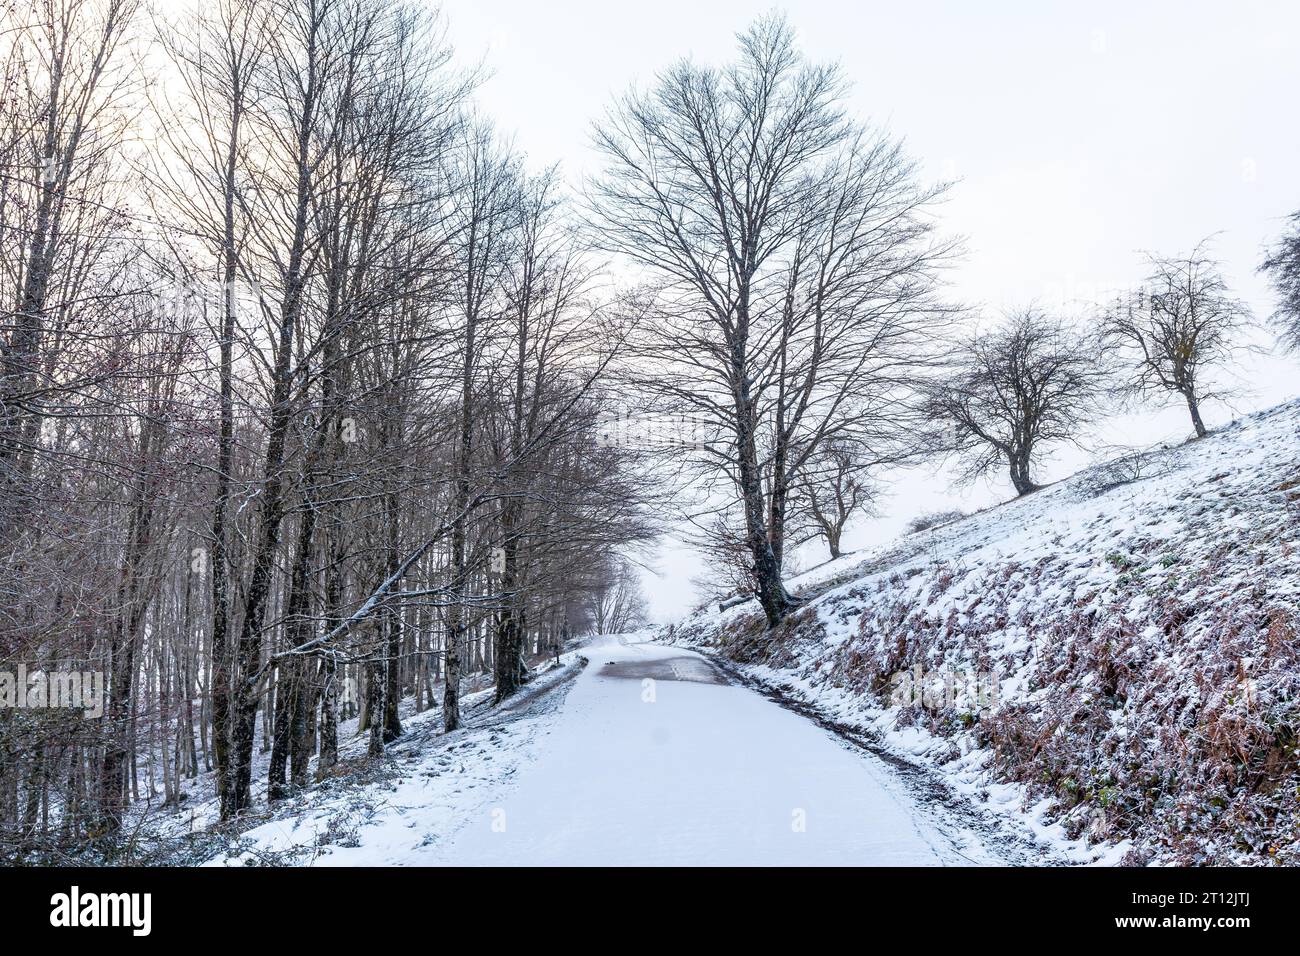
[654,760]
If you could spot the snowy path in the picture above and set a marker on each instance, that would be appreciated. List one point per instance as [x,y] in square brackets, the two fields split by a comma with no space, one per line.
[653,761]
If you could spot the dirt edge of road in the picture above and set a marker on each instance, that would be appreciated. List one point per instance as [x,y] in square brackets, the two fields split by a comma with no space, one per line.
[542,685]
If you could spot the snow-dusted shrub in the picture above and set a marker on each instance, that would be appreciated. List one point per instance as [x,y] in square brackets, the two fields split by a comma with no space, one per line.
[1124,469]
[1176,728]
[933,519]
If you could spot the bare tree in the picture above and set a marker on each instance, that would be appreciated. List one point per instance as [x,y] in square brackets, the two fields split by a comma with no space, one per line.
[551,325]
[834,489]
[614,599]
[293,80]
[1282,266]
[217,56]
[1178,324]
[485,221]
[68,120]
[1014,391]
[85,391]
[792,268]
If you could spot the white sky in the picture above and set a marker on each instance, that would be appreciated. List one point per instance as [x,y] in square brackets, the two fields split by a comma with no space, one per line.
[1079,137]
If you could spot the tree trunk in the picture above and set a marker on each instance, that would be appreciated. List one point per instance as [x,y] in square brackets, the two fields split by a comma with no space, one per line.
[833,542]
[1194,407]
[1020,475]
[222,663]
[329,718]
[508,664]
[293,704]
[286,695]
[375,702]
[131,602]
[776,513]
[460,503]
[249,645]
[393,630]
[772,595]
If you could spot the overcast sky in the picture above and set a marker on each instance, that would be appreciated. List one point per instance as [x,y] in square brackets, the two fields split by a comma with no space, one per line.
[1078,137]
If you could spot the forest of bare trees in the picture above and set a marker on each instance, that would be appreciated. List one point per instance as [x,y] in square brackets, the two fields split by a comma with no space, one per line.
[304,373]
[308,376]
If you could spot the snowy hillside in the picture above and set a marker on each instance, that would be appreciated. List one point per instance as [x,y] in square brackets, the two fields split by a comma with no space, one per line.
[1140,619]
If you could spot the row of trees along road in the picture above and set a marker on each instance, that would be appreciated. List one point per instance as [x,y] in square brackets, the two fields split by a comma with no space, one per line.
[303,380]
[307,375]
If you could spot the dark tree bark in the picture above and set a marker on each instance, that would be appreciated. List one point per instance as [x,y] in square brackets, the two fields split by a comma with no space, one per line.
[375,696]
[460,506]
[131,600]
[772,596]
[392,623]
[1194,407]
[271,513]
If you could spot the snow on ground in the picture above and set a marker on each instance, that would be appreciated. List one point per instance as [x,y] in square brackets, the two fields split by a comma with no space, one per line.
[398,811]
[654,761]
[647,756]
[1141,617]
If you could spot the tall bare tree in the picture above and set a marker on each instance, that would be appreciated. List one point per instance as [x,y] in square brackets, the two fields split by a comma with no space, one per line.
[217,55]
[485,225]
[69,115]
[791,265]
[75,414]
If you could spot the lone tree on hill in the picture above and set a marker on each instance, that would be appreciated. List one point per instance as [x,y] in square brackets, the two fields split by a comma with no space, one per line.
[1181,321]
[792,272]
[1013,391]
